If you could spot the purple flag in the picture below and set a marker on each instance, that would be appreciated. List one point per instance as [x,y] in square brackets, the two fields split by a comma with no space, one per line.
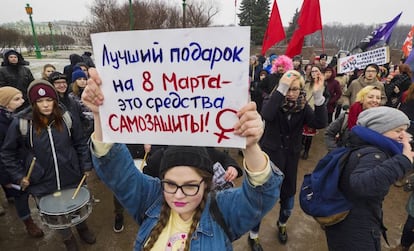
[382,33]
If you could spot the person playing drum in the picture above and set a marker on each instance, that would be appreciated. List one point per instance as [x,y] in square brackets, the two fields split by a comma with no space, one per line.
[173,211]
[58,147]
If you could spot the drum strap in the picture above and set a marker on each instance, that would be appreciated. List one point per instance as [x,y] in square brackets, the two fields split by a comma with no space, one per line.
[25,125]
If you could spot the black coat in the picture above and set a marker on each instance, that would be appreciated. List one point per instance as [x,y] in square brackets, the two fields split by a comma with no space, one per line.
[365,182]
[5,120]
[16,75]
[283,136]
[269,82]
[408,108]
[71,151]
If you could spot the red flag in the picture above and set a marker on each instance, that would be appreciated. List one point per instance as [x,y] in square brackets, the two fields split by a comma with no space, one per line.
[274,32]
[408,43]
[309,21]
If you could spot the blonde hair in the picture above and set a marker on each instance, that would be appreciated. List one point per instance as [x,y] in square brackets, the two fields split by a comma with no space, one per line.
[299,78]
[364,91]
[75,88]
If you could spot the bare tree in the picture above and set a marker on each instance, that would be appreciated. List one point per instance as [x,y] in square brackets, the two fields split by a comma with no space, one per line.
[108,15]
[9,38]
[200,14]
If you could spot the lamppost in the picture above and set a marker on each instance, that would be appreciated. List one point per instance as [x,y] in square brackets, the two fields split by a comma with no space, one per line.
[51,34]
[29,11]
[184,4]
[131,16]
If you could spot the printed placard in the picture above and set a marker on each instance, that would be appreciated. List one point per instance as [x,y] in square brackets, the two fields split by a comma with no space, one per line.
[173,86]
[379,56]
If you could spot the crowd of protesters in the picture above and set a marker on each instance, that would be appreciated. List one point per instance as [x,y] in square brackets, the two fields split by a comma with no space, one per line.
[371,107]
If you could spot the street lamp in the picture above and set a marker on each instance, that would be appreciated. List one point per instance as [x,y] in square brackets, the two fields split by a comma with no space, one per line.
[131,16]
[184,4]
[29,11]
[51,34]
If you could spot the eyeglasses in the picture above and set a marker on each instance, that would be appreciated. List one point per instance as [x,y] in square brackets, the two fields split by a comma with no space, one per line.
[187,189]
[294,89]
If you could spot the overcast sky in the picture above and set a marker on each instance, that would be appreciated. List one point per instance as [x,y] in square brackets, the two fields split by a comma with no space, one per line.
[346,12]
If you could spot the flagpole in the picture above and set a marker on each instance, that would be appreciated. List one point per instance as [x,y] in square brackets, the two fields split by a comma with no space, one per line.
[323,41]
[235,12]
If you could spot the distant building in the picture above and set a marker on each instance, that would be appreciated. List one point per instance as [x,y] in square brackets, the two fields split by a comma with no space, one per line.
[77,30]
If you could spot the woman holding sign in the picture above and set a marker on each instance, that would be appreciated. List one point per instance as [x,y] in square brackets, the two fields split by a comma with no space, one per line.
[177,210]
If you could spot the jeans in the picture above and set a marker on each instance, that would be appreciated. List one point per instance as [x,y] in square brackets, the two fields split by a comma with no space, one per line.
[286,207]
[21,202]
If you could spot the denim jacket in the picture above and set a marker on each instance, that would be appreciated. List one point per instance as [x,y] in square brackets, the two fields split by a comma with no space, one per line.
[141,195]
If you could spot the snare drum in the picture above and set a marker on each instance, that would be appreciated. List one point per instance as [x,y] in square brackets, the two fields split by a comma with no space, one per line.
[60,211]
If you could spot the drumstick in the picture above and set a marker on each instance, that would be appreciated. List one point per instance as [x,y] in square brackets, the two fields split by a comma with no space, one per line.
[79,186]
[143,161]
[29,173]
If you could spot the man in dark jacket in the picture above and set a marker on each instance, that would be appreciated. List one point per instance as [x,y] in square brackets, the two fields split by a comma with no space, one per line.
[13,72]
[68,69]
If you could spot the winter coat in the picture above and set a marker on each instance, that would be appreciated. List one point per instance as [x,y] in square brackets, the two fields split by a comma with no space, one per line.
[356,85]
[337,133]
[403,82]
[85,114]
[283,136]
[5,120]
[366,180]
[335,92]
[343,80]
[68,69]
[408,108]
[54,150]
[269,82]
[16,75]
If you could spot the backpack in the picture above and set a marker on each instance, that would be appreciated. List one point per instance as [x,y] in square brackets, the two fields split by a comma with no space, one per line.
[341,136]
[320,195]
[23,126]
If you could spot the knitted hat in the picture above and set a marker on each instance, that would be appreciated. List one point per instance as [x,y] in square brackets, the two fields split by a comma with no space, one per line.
[56,76]
[6,94]
[40,88]
[186,156]
[382,119]
[78,74]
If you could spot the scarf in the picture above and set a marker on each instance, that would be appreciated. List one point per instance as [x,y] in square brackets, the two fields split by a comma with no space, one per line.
[354,111]
[293,106]
[377,139]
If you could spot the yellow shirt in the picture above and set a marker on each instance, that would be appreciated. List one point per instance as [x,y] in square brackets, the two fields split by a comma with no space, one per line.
[174,235]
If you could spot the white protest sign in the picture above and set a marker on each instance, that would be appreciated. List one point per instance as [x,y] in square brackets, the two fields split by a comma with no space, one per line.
[173,87]
[378,56]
